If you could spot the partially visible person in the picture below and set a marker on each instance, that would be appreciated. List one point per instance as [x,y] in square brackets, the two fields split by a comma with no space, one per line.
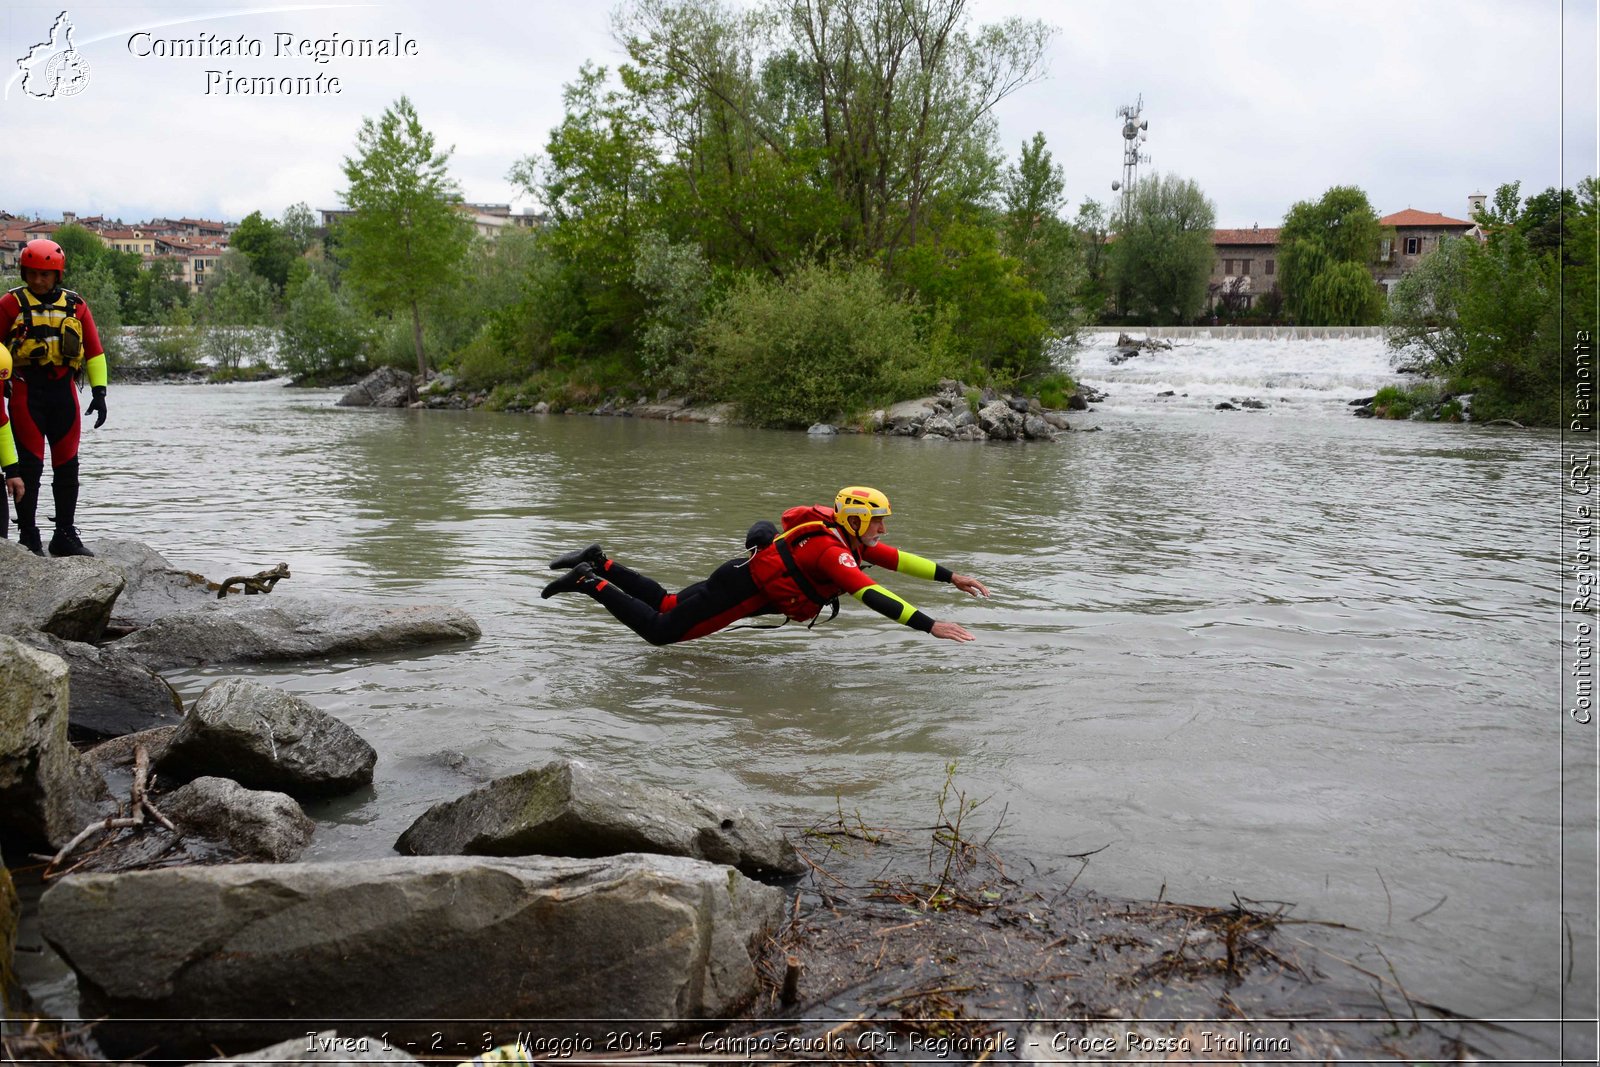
[9,472]
[817,556]
[51,337]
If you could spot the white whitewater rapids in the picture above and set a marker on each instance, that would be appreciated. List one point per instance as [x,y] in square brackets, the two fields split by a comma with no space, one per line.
[1291,377]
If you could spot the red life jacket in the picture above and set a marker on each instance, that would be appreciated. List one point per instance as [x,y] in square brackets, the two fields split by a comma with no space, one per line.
[777,574]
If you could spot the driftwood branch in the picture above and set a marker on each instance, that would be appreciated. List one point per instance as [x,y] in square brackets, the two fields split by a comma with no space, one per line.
[139,805]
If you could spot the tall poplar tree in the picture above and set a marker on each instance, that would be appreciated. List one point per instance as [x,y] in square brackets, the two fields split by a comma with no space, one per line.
[406,238]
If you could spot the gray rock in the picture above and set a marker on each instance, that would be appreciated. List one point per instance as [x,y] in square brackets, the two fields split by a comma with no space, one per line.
[267,739]
[1019,404]
[154,587]
[262,629]
[1035,428]
[328,1046]
[911,411]
[971,432]
[567,808]
[542,408]
[47,792]
[939,426]
[258,951]
[1225,406]
[118,753]
[386,387]
[821,429]
[112,693]
[1057,420]
[964,417]
[70,598]
[257,824]
[999,421]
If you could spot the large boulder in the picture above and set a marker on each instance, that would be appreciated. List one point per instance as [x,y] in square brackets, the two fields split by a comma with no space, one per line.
[386,387]
[261,629]
[255,824]
[153,587]
[267,739]
[111,692]
[999,421]
[70,598]
[261,951]
[47,792]
[567,808]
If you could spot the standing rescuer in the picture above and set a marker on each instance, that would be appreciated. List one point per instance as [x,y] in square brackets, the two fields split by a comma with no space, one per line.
[51,338]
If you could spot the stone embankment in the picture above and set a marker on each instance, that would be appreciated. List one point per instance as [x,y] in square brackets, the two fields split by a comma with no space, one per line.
[955,412]
[562,892]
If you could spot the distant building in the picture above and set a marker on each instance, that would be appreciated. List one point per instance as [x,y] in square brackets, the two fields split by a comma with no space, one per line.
[1416,234]
[488,220]
[1246,263]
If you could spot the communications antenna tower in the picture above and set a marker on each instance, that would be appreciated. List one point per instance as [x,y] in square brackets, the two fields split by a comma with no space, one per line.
[1133,138]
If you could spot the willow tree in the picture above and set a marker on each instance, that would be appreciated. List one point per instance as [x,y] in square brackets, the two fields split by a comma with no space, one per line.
[405,239]
[858,112]
[1163,250]
[1326,249]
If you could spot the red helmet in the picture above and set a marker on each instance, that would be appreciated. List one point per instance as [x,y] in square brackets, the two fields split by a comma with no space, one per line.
[43,254]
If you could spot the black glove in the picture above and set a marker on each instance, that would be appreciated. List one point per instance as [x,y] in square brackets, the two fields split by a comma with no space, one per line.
[98,404]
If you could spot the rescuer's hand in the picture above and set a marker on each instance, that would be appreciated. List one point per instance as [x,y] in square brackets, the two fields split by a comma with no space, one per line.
[951,631]
[97,404]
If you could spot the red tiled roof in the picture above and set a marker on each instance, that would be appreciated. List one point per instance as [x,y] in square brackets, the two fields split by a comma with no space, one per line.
[1413,217]
[1253,236]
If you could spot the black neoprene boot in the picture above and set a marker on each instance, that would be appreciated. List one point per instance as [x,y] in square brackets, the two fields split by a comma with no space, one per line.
[65,542]
[28,538]
[569,582]
[591,555]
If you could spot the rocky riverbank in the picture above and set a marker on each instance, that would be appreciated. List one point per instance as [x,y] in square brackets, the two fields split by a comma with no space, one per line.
[954,412]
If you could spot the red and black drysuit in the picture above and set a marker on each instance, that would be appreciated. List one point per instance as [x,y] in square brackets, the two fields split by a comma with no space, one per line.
[809,564]
[43,404]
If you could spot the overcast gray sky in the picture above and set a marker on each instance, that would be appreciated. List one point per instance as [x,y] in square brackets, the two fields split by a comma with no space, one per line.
[1418,102]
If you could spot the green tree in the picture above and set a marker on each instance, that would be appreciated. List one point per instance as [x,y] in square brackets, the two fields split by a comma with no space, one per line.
[994,315]
[405,237]
[1486,318]
[884,102]
[1036,235]
[322,337]
[234,310]
[1316,239]
[268,247]
[158,289]
[1163,250]
[1093,229]
[301,226]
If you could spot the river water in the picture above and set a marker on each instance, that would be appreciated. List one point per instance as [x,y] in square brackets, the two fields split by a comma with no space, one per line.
[1287,654]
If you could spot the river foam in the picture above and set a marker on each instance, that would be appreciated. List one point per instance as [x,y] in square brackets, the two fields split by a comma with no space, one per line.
[1291,377]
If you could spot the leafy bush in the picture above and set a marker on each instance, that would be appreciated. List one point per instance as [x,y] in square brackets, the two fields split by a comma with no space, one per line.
[1055,389]
[322,336]
[1393,402]
[820,345]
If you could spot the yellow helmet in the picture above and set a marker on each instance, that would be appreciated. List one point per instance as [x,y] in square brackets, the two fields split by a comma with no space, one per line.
[857,505]
[5,363]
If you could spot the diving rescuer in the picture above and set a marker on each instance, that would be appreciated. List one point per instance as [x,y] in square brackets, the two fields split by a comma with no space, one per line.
[816,557]
[51,337]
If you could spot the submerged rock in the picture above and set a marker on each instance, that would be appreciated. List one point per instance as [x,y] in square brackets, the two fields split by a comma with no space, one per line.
[263,629]
[267,739]
[567,808]
[259,951]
